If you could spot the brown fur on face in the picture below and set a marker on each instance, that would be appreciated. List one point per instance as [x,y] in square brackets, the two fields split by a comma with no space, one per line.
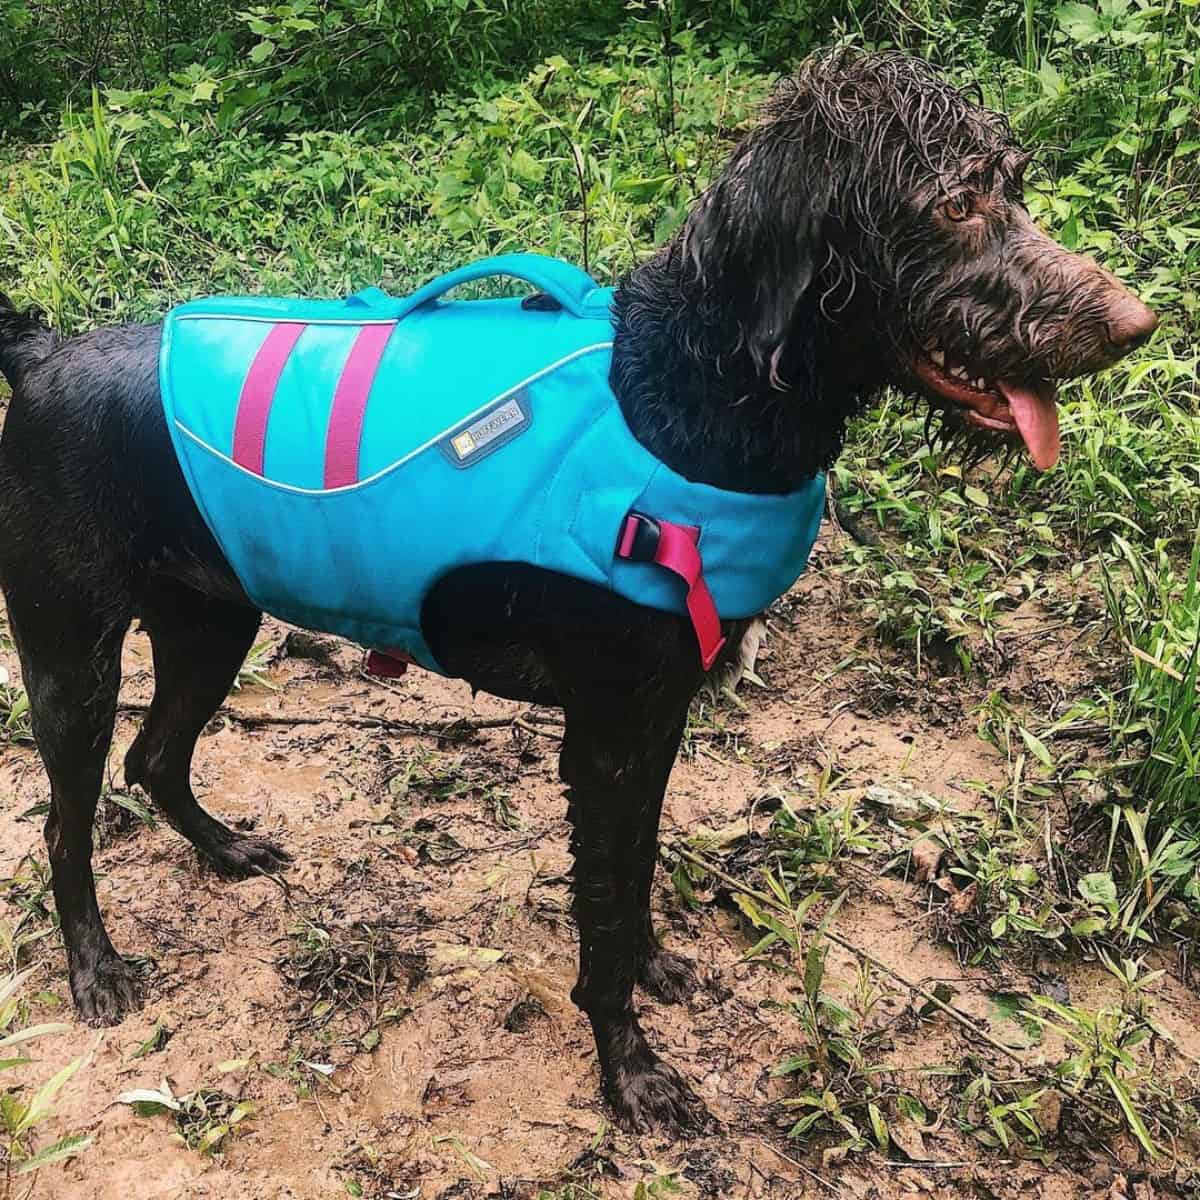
[890,201]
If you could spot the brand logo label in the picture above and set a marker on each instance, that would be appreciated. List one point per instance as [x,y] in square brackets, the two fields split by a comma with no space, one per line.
[495,428]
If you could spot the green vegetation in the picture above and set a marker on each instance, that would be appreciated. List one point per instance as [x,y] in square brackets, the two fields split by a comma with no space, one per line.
[204,1119]
[321,145]
[846,1090]
[25,1107]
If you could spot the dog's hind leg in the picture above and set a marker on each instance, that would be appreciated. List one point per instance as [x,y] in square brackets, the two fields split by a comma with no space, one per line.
[617,757]
[71,666]
[198,642]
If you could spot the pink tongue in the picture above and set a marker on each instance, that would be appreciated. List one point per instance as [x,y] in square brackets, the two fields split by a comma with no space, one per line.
[1034,410]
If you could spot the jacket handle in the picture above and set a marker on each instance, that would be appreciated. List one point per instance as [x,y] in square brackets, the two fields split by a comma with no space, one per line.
[572,287]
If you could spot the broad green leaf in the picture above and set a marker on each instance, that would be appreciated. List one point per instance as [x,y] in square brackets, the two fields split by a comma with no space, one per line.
[136,807]
[764,943]
[791,1065]
[644,188]
[526,166]
[761,919]
[1080,22]
[683,885]
[212,1138]
[1037,748]
[1007,1005]
[805,1123]
[1099,888]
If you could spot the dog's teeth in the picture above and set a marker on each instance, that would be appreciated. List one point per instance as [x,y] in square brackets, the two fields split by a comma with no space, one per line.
[980,383]
[939,357]
[959,372]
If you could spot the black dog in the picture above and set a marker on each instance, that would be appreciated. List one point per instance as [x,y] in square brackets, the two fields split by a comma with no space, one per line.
[868,231]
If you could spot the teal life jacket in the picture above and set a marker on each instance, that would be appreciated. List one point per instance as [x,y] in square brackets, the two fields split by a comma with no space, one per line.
[347,454]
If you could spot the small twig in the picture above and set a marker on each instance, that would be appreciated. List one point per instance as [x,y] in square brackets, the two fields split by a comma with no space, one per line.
[800,1166]
[776,631]
[1041,631]
[544,718]
[935,1164]
[1157,663]
[522,721]
[416,728]
[1078,729]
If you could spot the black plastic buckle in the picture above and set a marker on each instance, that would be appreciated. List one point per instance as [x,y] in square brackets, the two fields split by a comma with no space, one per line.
[643,546]
[541,302]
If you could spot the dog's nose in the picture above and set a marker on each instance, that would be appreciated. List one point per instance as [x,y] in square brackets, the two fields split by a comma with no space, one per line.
[1130,323]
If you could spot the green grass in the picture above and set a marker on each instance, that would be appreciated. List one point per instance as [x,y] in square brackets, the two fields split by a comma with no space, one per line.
[841,1089]
[26,1107]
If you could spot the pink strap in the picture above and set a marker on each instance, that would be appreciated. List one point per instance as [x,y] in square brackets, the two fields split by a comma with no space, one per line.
[678,551]
[387,664]
[344,436]
[258,394]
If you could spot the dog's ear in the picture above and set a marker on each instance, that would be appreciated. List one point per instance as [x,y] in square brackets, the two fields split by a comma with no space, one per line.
[757,237]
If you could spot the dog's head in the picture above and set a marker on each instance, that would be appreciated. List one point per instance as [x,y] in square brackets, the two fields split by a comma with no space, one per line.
[882,203]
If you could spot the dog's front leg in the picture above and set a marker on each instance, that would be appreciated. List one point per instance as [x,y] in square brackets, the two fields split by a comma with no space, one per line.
[616,759]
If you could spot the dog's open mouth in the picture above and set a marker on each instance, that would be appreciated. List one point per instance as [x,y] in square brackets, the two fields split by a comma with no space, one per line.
[1024,408]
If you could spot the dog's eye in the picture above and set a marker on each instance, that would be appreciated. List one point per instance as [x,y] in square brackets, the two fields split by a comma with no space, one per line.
[958,208]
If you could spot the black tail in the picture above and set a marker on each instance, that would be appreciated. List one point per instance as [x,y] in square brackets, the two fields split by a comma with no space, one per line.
[24,340]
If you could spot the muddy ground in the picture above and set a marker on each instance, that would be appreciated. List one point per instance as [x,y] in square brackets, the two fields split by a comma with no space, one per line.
[400,1017]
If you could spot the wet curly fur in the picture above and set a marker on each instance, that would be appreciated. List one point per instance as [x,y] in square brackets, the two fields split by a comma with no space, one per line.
[815,267]
[873,211]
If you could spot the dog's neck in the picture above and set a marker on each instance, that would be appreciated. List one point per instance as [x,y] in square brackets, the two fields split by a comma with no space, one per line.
[693,396]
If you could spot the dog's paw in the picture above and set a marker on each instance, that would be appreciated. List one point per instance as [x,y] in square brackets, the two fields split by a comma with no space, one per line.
[106,993]
[668,977]
[653,1095]
[243,855]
